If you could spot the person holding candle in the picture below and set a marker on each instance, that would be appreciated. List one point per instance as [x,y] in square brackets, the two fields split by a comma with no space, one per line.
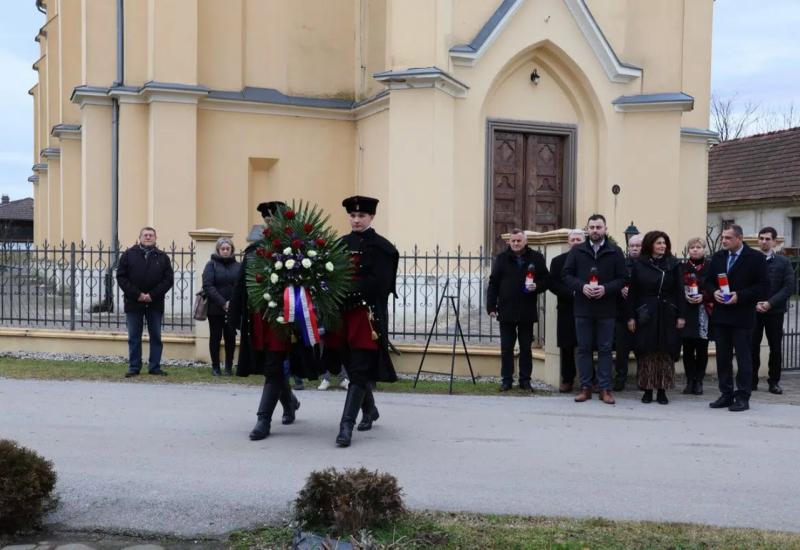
[595,271]
[695,334]
[656,313]
[737,279]
[519,275]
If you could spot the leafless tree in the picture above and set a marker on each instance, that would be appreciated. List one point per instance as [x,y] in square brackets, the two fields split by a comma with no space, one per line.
[781,118]
[729,119]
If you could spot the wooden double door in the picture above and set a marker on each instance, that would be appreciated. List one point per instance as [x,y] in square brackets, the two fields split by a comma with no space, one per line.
[527,183]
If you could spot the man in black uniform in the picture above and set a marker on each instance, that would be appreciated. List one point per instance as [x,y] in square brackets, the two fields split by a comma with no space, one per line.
[362,339]
[260,353]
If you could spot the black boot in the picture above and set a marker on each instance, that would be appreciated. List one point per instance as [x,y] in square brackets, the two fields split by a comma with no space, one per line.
[647,397]
[269,399]
[689,389]
[215,371]
[661,397]
[369,412]
[698,387]
[228,370]
[290,404]
[355,397]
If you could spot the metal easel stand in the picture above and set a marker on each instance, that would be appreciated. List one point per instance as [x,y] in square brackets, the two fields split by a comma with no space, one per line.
[457,332]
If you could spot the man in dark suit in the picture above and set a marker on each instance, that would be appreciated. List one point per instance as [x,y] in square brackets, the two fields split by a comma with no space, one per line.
[770,312]
[734,314]
[565,325]
[519,275]
[595,271]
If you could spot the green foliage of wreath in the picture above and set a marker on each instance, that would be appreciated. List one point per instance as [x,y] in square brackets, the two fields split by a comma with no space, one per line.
[299,248]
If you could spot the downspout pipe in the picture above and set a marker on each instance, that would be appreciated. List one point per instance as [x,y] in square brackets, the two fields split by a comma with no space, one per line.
[119,81]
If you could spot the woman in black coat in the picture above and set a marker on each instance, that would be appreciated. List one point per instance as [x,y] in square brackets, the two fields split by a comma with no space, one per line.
[695,335]
[655,314]
[219,279]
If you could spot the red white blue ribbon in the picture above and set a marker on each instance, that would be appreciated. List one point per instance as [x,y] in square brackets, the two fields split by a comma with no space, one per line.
[298,308]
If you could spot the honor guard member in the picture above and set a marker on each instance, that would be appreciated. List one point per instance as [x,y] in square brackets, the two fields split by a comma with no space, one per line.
[363,337]
[261,351]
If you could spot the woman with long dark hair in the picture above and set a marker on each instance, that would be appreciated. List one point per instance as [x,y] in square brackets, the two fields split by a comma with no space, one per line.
[655,314]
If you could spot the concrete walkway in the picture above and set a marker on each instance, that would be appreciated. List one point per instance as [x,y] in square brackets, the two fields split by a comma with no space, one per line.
[175,459]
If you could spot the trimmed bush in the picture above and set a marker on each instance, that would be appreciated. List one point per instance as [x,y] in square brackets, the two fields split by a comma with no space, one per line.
[349,501]
[26,483]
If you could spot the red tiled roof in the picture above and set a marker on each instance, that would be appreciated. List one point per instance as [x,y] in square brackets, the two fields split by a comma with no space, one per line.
[19,210]
[766,166]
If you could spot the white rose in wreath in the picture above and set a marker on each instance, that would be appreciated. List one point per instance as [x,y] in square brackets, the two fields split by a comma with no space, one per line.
[290,264]
[267,296]
[306,263]
[312,253]
[287,250]
[280,319]
[272,303]
[273,278]
[278,265]
[329,266]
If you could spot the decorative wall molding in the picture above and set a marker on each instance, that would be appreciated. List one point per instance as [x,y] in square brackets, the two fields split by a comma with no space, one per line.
[422,77]
[66,131]
[466,55]
[39,167]
[616,70]
[648,103]
[34,179]
[699,135]
[50,153]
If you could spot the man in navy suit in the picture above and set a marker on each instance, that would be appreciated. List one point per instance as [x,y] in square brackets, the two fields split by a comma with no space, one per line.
[733,317]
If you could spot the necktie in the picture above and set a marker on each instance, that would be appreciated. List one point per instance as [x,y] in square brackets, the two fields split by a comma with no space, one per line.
[731,260]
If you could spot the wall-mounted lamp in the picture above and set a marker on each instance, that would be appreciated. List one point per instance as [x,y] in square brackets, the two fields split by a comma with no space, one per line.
[535,77]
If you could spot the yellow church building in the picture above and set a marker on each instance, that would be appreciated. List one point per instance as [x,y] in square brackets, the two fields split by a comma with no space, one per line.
[464,117]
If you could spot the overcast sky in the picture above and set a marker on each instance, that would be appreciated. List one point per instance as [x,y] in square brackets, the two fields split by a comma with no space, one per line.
[756,55]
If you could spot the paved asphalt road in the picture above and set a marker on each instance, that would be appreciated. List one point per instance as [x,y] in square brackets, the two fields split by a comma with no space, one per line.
[176,458]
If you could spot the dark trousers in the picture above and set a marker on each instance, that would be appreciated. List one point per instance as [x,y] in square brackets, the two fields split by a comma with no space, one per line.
[568,365]
[135,322]
[695,358]
[595,333]
[361,365]
[219,329]
[773,326]
[509,334]
[624,344]
[728,339]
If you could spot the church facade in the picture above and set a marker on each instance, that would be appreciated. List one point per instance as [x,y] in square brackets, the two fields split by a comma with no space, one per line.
[464,117]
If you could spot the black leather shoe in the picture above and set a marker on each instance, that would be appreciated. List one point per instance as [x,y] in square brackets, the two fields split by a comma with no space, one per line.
[619,385]
[661,397]
[689,389]
[505,386]
[775,388]
[157,372]
[721,402]
[367,420]
[131,373]
[215,371]
[260,430]
[647,396]
[228,371]
[698,388]
[288,415]
[525,386]
[739,404]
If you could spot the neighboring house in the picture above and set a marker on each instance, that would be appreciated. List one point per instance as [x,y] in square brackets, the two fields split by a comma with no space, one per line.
[16,220]
[755,182]
[464,117]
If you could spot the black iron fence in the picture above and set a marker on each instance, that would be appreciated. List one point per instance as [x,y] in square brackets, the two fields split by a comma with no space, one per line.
[791,324]
[73,287]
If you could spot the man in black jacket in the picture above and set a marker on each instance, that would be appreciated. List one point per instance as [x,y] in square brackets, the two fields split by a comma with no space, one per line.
[770,312]
[734,316]
[624,340]
[145,275]
[519,275]
[565,316]
[595,271]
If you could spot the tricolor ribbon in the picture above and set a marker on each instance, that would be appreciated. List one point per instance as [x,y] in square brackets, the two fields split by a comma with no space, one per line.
[298,308]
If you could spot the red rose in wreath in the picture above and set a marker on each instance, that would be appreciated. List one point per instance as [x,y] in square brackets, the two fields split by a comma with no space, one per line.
[287,230]
[259,278]
[297,243]
[321,242]
[260,251]
[276,243]
[308,228]
[289,214]
[267,232]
